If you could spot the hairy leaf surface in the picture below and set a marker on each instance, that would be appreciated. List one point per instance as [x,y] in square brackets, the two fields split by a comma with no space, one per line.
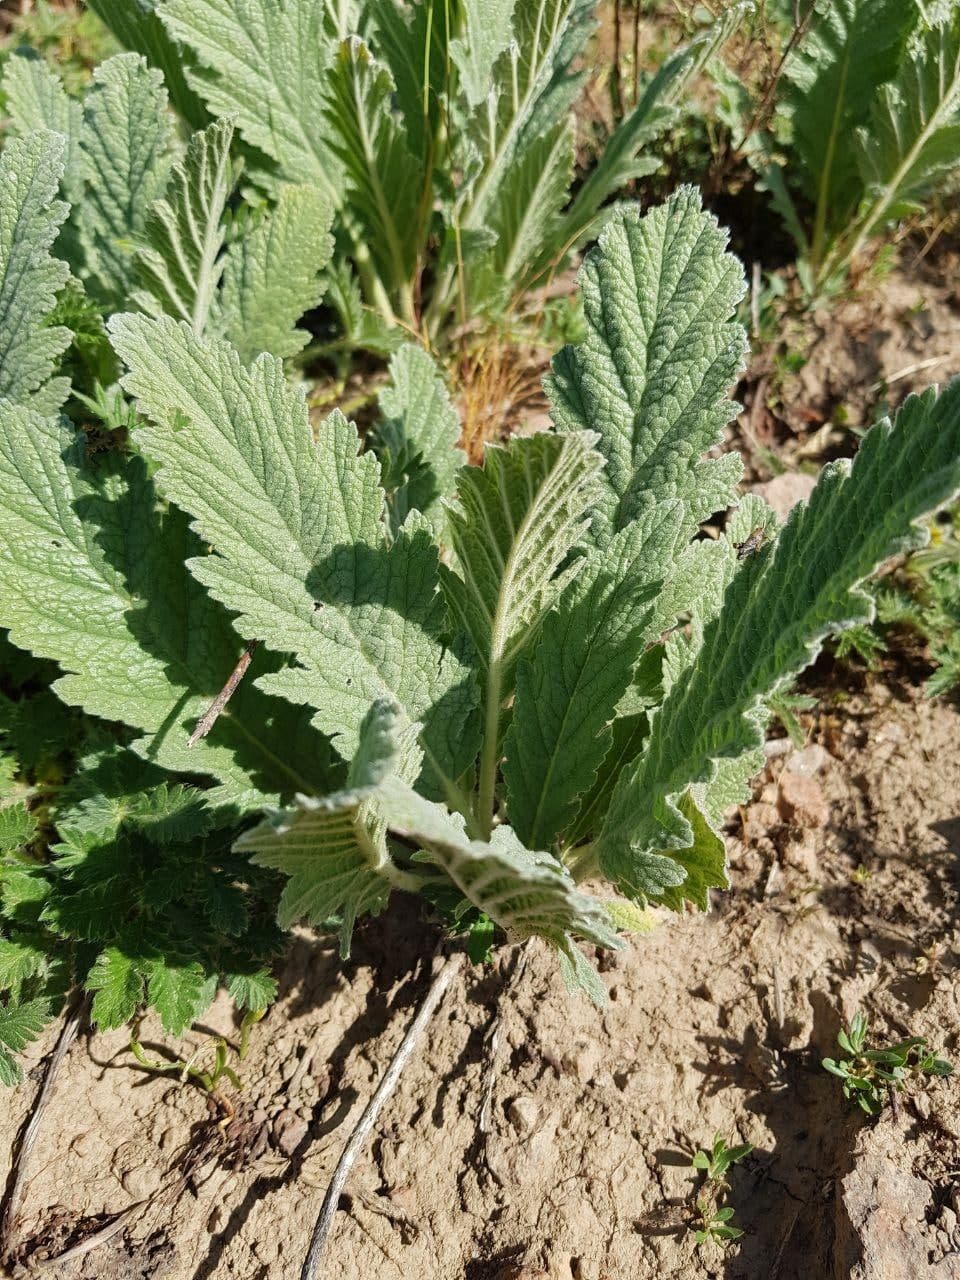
[30,216]
[126,139]
[300,540]
[776,613]
[272,275]
[651,375]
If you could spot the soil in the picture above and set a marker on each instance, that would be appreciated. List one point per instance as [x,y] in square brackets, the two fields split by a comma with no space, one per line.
[535,1135]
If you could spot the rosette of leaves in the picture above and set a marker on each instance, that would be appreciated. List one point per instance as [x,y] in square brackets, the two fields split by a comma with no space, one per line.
[871,103]
[498,685]
[442,134]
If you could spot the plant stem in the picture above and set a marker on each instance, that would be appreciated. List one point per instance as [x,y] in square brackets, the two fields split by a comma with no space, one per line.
[490,756]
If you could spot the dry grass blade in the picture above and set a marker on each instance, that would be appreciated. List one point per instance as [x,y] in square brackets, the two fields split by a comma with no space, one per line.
[443,977]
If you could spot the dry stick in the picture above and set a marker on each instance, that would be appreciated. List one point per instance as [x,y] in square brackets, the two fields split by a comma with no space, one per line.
[438,989]
[223,697]
[67,1036]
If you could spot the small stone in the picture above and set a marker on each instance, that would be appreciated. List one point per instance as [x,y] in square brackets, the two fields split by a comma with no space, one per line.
[289,1130]
[582,1060]
[759,820]
[142,1182]
[783,492]
[801,855]
[810,760]
[802,802]
[523,1113]
[168,1139]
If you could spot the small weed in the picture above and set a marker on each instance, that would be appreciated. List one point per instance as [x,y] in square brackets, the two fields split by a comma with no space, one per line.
[871,1076]
[716,1225]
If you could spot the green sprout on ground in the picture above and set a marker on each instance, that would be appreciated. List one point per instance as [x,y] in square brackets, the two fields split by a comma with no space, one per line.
[716,1219]
[871,1077]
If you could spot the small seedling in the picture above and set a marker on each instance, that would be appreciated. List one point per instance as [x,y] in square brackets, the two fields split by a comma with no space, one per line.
[716,1219]
[871,1077]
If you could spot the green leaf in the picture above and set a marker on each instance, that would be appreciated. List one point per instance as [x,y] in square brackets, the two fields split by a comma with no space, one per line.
[117,982]
[136,25]
[265,63]
[272,275]
[585,660]
[527,894]
[661,350]
[179,991]
[777,611]
[126,139]
[832,75]
[18,827]
[30,216]
[486,32]
[296,520]
[913,137]
[19,1025]
[19,960]
[36,99]
[380,173]
[334,850]
[91,575]
[417,437]
[180,265]
[253,991]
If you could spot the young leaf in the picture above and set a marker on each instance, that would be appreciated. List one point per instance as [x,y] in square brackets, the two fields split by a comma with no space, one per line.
[265,63]
[776,613]
[517,519]
[19,1024]
[852,47]
[487,31]
[652,373]
[379,171]
[527,894]
[91,575]
[913,138]
[180,264]
[334,850]
[297,524]
[272,275]
[417,437]
[136,25]
[583,664]
[126,138]
[30,216]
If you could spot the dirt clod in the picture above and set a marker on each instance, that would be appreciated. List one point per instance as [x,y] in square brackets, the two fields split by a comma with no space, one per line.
[801,801]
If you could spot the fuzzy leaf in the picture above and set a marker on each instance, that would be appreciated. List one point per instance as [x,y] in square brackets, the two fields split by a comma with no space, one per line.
[19,1025]
[36,99]
[418,436]
[651,375]
[18,827]
[584,662]
[126,138]
[334,850]
[180,265]
[265,63]
[517,517]
[297,526]
[252,990]
[852,47]
[913,139]
[136,25]
[272,275]
[91,575]
[527,894]
[487,30]
[776,613]
[379,170]
[31,169]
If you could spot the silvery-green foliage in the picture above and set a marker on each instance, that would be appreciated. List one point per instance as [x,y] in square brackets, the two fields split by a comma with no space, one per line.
[873,104]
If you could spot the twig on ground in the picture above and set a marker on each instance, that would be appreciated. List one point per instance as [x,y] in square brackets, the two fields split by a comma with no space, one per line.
[442,979]
[206,723]
[68,1032]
